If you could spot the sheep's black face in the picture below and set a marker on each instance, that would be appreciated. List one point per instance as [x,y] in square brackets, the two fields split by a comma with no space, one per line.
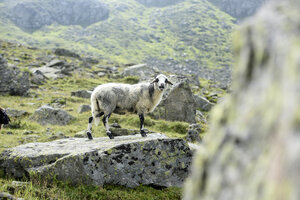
[161,81]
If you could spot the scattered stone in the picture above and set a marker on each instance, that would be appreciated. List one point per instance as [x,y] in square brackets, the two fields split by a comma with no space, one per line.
[20,184]
[9,133]
[126,160]
[101,74]
[48,72]
[84,108]
[38,78]
[65,52]
[203,103]
[49,115]
[193,134]
[82,93]
[58,102]
[15,113]
[12,80]
[27,132]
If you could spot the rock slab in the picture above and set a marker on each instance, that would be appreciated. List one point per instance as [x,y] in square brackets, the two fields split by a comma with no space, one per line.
[126,160]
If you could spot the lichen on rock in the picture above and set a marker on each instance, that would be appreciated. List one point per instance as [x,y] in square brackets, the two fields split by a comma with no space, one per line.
[252,149]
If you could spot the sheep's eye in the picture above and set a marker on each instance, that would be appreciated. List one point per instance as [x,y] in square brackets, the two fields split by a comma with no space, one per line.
[156,80]
[166,81]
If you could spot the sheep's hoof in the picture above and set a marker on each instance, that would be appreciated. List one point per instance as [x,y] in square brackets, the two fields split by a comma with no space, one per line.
[143,133]
[109,135]
[89,135]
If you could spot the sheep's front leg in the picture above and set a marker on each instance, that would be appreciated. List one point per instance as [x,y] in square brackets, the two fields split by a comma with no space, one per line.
[105,123]
[143,133]
[89,129]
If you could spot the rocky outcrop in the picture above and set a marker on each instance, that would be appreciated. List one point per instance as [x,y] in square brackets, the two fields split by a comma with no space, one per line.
[48,115]
[12,80]
[252,149]
[126,160]
[239,8]
[177,105]
[158,3]
[32,15]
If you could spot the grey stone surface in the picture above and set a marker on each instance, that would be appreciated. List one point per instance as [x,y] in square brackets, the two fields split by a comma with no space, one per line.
[38,77]
[49,115]
[84,108]
[177,105]
[203,103]
[82,93]
[252,150]
[15,113]
[193,134]
[48,72]
[125,160]
[12,80]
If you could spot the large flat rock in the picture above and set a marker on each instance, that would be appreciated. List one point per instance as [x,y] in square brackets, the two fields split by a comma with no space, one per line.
[125,160]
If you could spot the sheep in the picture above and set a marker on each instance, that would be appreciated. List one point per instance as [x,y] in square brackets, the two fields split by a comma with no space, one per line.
[116,97]
[4,119]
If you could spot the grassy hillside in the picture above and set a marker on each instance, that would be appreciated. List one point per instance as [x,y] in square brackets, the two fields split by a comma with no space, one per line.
[24,130]
[189,31]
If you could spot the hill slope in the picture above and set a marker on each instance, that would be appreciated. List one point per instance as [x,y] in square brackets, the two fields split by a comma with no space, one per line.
[190,35]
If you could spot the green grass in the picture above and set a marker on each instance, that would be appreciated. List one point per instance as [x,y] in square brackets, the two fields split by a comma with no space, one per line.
[40,190]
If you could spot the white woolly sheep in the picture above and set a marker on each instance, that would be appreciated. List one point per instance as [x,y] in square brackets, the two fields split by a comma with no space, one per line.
[115,97]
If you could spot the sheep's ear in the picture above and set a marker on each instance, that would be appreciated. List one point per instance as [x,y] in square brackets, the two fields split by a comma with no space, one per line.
[155,80]
[167,81]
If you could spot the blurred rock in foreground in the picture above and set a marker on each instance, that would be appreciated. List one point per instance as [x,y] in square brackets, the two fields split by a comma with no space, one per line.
[253,148]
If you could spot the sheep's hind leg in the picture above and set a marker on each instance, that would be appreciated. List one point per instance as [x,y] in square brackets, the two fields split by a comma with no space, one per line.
[89,129]
[143,133]
[105,123]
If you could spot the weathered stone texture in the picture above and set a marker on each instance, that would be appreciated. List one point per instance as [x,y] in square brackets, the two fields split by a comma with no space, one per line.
[12,80]
[252,149]
[126,160]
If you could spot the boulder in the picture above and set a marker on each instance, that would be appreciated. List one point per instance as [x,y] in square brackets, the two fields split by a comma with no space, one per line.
[49,115]
[12,80]
[177,105]
[38,78]
[126,160]
[82,93]
[252,149]
[48,72]
[15,113]
[202,103]
[84,108]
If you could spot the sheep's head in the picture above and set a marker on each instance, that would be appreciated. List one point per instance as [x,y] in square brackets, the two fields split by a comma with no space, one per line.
[160,81]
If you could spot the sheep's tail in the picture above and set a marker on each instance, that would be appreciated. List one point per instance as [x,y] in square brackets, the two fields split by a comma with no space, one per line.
[96,111]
